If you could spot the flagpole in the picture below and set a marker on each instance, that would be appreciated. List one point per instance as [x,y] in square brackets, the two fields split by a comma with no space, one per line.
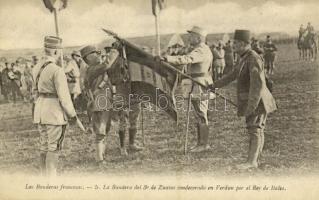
[158,38]
[56,22]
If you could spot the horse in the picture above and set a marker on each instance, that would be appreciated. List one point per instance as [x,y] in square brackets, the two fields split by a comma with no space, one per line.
[308,46]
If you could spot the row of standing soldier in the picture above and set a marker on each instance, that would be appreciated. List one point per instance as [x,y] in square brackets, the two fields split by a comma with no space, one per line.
[13,77]
[224,58]
[54,107]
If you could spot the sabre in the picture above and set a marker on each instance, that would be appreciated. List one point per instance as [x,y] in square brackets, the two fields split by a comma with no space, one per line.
[80,125]
[166,64]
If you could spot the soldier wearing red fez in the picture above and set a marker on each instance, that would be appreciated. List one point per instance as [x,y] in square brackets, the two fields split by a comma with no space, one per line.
[255,101]
[53,105]
[100,95]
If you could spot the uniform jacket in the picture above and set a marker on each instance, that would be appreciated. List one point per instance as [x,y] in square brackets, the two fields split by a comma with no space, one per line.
[251,84]
[219,57]
[71,69]
[198,61]
[229,55]
[269,48]
[52,110]
[98,84]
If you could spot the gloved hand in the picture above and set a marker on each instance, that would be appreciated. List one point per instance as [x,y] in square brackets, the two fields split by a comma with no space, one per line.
[160,58]
[72,120]
[212,88]
[117,45]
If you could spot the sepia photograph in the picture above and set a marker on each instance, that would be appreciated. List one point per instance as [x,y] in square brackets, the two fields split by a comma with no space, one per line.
[159,99]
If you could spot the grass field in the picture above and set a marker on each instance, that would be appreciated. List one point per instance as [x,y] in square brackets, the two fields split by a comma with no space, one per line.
[291,144]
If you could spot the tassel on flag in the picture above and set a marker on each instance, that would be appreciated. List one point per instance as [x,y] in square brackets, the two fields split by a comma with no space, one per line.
[157,6]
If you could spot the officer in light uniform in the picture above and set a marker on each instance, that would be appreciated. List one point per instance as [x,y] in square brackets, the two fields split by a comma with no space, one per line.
[98,85]
[72,73]
[255,101]
[199,62]
[53,105]
[219,60]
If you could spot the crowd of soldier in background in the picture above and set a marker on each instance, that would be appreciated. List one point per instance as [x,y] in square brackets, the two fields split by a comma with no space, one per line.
[16,79]
[224,57]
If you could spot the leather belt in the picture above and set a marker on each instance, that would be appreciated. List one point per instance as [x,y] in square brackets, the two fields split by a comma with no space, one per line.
[196,75]
[48,95]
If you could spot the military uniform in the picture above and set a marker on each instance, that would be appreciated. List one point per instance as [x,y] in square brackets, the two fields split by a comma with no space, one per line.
[6,86]
[229,58]
[255,45]
[199,62]
[255,101]
[128,113]
[28,79]
[269,55]
[53,107]
[73,76]
[98,85]
[218,61]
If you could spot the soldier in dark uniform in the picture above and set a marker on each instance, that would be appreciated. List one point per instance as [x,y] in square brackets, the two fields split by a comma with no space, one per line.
[16,83]
[255,101]
[98,86]
[5,82]
[229,57]
[255,45]
[269,55]
[129,113]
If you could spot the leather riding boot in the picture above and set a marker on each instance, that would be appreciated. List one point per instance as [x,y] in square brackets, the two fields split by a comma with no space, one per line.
[253,152]
[43,156]
[203,132]
[198,138]
[262,141]
[132,145]
[123,151]
[100,149]
[51,161]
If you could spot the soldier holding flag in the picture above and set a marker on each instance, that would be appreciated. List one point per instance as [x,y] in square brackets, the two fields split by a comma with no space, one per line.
[98,85]
[199,62]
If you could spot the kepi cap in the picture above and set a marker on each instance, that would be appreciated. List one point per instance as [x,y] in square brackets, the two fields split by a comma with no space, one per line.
[198,30]
[242,35]
[52,42]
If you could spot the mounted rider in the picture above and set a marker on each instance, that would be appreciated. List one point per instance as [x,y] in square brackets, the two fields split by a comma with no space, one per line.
[301,31]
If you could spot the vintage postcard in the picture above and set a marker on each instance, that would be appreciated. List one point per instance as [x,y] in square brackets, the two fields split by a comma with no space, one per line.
[159,99]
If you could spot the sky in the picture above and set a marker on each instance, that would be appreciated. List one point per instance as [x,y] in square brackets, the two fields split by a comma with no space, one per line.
[24,23]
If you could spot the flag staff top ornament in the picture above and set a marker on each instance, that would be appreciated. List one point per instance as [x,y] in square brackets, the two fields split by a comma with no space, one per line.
[55,4]
[157,6]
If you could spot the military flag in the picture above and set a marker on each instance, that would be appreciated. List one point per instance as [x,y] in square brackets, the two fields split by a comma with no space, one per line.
[151,81]
[157,6]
